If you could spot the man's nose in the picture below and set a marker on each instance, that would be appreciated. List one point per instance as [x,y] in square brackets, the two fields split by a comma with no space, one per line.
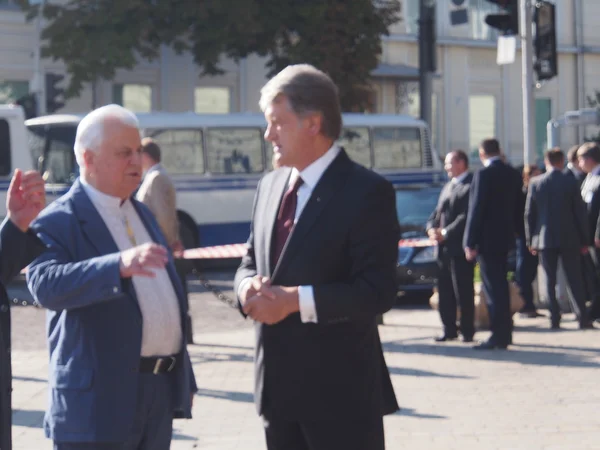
[269,135]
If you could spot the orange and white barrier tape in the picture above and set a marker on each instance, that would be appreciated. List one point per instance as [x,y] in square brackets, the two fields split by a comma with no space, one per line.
[420,242]
[216,252]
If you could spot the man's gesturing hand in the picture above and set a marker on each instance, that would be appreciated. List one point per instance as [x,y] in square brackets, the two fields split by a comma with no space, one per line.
[256,285]
[26,198]
[142,259]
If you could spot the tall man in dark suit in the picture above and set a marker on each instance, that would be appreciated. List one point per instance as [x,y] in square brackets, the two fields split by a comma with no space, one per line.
[18,247]
[320,267]
[446,225]
[589,161]
[495,213]
[572,170]
[556,226]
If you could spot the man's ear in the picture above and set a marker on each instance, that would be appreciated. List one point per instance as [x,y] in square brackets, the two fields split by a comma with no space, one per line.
[315,121]
[88,158]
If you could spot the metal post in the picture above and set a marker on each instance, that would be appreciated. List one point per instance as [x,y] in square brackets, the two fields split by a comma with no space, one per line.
[525,26]
[38,75]
[427,57]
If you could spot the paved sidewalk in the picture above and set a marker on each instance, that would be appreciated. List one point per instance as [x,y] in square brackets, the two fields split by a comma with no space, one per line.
[542,394]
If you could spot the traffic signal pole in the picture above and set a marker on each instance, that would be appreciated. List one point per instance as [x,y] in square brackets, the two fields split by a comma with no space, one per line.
[525,16]
[39,85]
[427,58]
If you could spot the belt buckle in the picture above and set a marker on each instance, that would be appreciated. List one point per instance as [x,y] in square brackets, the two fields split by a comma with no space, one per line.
[159,362]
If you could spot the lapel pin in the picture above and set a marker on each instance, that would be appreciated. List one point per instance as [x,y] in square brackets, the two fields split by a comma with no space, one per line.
[318,199]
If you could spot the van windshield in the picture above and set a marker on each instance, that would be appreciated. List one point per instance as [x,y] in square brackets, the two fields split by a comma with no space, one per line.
[51,150]
[414,207]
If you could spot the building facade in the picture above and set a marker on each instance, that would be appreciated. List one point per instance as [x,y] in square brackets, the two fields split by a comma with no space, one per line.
[473,96]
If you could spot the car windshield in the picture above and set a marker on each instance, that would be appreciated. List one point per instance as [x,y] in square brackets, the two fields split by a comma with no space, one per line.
[414,207]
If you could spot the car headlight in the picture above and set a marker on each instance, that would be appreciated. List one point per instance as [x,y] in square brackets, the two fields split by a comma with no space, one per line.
[426,255]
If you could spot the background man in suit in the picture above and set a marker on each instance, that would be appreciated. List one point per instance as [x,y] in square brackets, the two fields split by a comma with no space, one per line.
[119,367]
[572,170]
[556,226]
[158,193]
[25,198]
[321,377]
[589,162]
[495,215]
[446,225]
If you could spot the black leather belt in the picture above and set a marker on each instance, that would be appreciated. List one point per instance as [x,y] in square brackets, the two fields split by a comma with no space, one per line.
[158,365]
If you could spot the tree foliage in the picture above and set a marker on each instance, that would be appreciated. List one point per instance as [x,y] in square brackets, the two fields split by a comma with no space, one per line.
[95,38]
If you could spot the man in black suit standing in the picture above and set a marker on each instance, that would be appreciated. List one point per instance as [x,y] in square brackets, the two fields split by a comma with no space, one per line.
[446,225]
[589,161]
[319,270]
[495,214]
[556,226]
[572,170]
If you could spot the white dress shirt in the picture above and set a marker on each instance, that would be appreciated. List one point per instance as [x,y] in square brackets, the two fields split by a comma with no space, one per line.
[460,178]
[311,176]
[161,329]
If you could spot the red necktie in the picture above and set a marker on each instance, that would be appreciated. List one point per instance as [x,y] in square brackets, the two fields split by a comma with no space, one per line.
[285,218]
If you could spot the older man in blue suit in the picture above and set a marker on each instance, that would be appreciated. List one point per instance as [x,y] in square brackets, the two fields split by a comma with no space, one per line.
[119,368]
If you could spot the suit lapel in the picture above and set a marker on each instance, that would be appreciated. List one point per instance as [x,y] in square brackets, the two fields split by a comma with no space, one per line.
[331,182]
[278,188]
[91,222]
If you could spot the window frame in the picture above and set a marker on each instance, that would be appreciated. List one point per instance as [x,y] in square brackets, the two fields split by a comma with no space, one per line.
[260,131]
[154,132]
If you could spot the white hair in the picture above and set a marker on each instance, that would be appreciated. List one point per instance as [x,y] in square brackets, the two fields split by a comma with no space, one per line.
[90,131]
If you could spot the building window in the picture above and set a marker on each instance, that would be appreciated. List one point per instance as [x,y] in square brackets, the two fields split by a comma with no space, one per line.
[10,91]
[478,9]
[409,102]
[212,100]
[135,97]
[411,16]
[482,121]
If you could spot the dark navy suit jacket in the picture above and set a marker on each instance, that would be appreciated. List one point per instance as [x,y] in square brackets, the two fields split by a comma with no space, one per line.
[94,324]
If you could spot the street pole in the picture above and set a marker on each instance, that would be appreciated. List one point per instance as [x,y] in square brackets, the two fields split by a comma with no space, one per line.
[427,57]
[525,26]
[39,86]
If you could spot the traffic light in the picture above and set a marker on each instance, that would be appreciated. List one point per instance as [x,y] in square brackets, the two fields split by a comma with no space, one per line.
[507,22]
[29,104]
[546,61]
[53,92]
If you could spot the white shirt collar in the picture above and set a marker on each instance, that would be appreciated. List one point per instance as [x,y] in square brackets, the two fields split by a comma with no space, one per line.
[596,170]
[100,199]
[573,168]
[313,173]
[155,167]
[490,160]
[460,178]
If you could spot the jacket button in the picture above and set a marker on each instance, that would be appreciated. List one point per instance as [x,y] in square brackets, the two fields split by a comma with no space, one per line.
[4,308]
[115,289]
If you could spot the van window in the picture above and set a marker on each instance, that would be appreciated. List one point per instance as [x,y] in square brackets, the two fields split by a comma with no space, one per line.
[397,148]
[51,149]
[234,150]
[182,151]
[356,143]
[4,148]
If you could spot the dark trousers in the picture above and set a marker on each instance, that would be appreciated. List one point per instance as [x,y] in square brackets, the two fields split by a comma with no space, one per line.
[326,435]
[493,268]
[525,273]
[592,261]
[153,425]
[455,288]
[571,259]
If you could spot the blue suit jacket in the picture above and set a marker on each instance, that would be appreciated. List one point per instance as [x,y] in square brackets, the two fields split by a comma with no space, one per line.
[94,324]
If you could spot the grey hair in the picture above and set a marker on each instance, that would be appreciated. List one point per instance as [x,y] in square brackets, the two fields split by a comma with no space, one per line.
[90,131]
[308,90]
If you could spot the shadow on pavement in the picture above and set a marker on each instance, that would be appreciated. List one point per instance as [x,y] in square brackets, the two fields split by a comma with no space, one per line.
[424,373]
[25,418]
[410,412]
[33,380]
[219,357]
[227,395]
[515,353]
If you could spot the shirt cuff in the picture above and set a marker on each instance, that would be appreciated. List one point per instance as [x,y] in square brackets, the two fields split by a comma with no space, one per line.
[242,286]
[306,300]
